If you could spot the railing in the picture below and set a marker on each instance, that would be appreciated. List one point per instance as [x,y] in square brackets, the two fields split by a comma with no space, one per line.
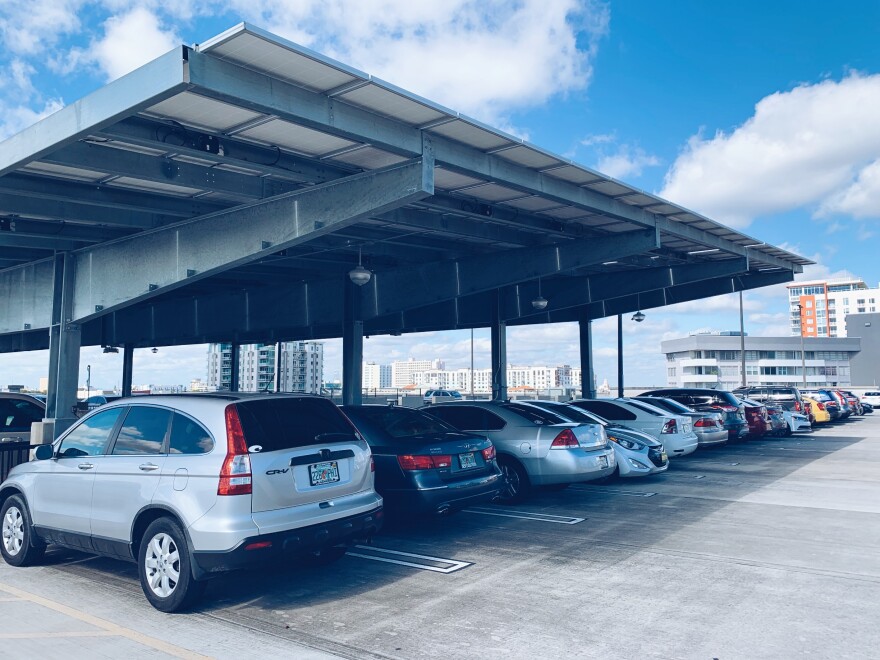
[12,454]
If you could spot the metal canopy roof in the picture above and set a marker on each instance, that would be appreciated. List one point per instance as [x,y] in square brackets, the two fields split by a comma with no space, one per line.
[176,186]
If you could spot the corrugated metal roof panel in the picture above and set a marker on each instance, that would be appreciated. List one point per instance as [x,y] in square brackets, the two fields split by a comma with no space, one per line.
[391,104]
[65,172]
[368,158]
[449,180]
[203,112]
[297,138]
[477,137]
[492,192]
[140,184]
[534,203]
[529,157]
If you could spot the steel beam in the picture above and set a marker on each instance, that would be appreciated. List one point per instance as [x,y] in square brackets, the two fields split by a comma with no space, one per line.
[164,259]
[352,346]
[64,346]
[126,96]
[416,287]
[498,335]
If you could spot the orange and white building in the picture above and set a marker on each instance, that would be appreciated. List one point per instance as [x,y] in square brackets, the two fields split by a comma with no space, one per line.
[819,308]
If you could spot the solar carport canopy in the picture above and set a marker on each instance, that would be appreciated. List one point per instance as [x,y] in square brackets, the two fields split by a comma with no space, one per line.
[224,192]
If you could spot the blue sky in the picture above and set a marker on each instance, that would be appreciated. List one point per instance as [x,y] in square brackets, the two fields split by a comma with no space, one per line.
[763,116]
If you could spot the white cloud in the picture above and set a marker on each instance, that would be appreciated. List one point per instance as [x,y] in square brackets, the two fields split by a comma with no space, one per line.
[33,27]
[481,57]
[861,199]
[14,118]
[801,149]
[129,41]
[628,161]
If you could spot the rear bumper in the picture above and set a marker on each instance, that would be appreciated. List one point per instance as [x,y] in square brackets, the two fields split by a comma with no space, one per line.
[291,542]
[442,499]
[568,466]
[711,437]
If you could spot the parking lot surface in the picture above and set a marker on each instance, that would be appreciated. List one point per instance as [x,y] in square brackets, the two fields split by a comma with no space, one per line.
[764,549]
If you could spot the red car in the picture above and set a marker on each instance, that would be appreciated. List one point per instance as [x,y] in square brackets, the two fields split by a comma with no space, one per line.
[757,419]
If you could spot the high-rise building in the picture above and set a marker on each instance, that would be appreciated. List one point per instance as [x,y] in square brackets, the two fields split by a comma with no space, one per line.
[300,365]
[376,376]
[818,307]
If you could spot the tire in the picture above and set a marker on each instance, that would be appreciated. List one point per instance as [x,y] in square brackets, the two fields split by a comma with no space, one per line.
[516,482]
[787,430]
[164,568]
[19,545]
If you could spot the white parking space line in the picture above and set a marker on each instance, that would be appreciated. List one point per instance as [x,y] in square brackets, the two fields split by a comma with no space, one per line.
[615,491]
[427,563]
[526,515]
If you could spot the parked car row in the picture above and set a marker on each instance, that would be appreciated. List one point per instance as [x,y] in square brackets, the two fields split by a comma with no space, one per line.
[191,486]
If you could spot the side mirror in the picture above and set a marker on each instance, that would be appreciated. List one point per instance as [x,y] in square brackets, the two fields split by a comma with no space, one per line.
[44,452]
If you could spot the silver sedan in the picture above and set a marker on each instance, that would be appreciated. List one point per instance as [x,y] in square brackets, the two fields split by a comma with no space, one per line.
[709,426]
[535,447]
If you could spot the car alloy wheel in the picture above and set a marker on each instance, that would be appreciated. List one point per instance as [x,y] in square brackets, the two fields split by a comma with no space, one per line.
[516,481]
[162,565]
[13,530]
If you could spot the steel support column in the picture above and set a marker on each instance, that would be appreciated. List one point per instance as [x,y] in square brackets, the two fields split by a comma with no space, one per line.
[127,368]
[619,355]
[234,354]
[352,346]
[499,352]
[278,366]
[64,345]
[585,326]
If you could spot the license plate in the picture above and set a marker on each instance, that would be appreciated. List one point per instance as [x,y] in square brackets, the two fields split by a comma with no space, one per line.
[603,461]
[324,473]
[467,460]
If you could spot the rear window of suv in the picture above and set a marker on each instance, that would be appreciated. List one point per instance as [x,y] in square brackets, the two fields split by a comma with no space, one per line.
[290,422]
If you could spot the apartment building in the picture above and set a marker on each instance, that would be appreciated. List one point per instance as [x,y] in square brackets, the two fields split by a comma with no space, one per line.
[715,361]
[818,307]
[300,365]
[376,376]
[404,372]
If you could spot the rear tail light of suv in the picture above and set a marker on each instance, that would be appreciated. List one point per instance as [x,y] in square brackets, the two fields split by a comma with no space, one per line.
[235,475]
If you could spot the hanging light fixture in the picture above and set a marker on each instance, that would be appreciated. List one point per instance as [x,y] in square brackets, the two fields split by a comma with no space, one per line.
[359,275]
[111,349]
[638,317]
[540,302]
[155,350]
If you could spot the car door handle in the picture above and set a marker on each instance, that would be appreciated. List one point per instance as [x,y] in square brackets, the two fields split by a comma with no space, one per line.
[86,466]
[148,467]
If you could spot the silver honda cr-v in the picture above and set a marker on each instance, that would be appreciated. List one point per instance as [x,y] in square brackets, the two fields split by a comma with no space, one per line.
[189,486]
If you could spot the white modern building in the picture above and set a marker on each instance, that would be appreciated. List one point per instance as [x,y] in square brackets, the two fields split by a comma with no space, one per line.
[715,361]
[818,307]
[300,366]
[523,377]
[376,376]
[404,373]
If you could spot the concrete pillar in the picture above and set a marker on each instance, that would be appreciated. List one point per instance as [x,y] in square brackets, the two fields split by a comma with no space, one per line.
[64,346]
[499,351]
[127,368]
[352,346]
[588,391]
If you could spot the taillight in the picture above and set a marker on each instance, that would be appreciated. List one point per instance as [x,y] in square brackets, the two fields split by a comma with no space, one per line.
[565,440]
[670,426]
[797,406]
[235,475]
[705,422]
[488,453]
[372,464]
[412,462]
[725,408]
[820,405]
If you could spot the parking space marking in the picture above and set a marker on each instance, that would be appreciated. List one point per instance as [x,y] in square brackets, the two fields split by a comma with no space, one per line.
[526,515]
[434,564]
[107,626]
[614,491]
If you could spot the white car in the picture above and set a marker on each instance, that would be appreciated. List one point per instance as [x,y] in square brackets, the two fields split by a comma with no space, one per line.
[674,431]
[872,397]
[796,422]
